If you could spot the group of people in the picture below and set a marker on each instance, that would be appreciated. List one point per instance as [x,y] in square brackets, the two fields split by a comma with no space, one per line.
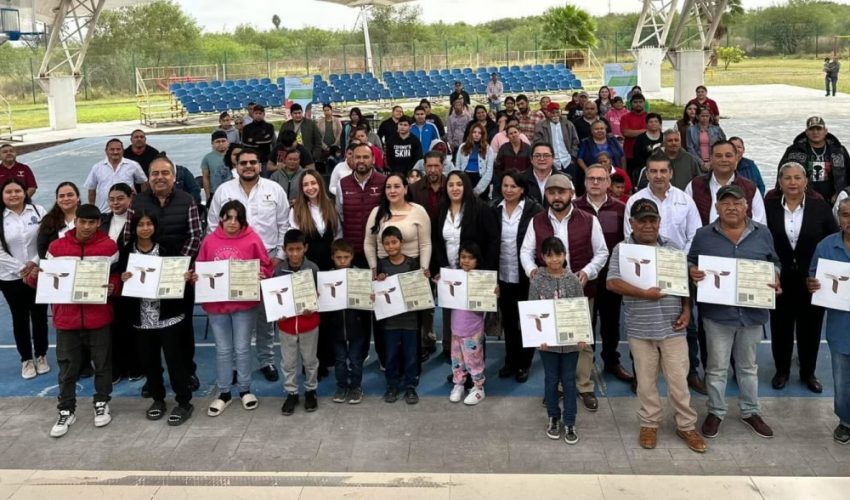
[544,200]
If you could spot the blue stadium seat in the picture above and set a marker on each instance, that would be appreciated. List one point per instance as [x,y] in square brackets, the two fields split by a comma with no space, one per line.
[356,76]
[178,93]
[188,85]
[526,67]
[549,66]
[434,72]
[202,85]
[207,107]
[575,84]
[445,72]
[241,83]
[192,107]
[229,84]
[254,82]
[175,86]
[387,74]
[467,71]
[265,81]
[409,73]
[481,71]
[537,67]
[344,77]
[560,66]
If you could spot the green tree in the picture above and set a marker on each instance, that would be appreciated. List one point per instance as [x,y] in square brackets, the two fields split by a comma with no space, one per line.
[276,21]
[730,55]
[568,26]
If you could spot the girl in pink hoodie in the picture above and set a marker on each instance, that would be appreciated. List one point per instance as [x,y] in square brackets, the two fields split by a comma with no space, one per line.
[232,322]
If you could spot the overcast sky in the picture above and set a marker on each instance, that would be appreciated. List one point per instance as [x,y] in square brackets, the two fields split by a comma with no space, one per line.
[224,16]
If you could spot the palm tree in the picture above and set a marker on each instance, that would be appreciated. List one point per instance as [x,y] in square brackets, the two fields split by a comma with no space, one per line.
[276,19]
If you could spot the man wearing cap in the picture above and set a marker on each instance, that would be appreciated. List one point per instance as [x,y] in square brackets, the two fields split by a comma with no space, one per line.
[823,156]
[459,92]
[214,171]
[679,222]
[587,253]
[260,135]
[306,132]
[561,134]
[733,330]
[703,188]
[577,111]
[610,213]
[655,326]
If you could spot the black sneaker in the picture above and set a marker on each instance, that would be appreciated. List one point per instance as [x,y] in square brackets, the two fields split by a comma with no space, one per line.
[194,383]
[841,435]
[340,396]
[391,396]
[289,405]
[570,436]
[410,396]
[311,401]
[553,430]
[270,372]
[355,396]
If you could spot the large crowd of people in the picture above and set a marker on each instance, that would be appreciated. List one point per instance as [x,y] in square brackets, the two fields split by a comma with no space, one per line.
[543,197]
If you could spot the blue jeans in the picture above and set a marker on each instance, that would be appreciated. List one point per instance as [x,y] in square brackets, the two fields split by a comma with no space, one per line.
[348,352]
[841,379]
[402,359]
[560,367]
[722,342]
[495,107]
[232,333]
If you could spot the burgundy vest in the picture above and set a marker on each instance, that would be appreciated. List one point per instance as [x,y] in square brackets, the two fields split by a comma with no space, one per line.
[579,230]
[702,194]
[357,204]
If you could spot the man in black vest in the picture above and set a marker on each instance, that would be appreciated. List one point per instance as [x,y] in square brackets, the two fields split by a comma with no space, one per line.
[180,235]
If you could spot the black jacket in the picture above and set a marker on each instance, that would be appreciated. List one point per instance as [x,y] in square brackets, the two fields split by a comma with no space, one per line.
[818,223]
[837,155]
[481,228]
[530,209]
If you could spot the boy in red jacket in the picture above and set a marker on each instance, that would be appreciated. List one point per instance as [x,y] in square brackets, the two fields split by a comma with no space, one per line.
[83,326]
[299,335]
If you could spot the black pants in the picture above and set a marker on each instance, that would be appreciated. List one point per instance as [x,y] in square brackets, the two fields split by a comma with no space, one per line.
[187,334]
[126,345]
[606,311]
[360,261]
[795,313]
[21,300]
[325,350]
[517,357]
[70,345]
[169,343]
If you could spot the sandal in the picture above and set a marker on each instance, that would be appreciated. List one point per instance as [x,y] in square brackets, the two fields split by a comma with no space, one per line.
[156,410]
[249,401]
[217,406]
[180,414]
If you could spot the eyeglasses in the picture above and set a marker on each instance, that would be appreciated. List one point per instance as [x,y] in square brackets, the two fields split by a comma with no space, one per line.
[594,180]
[541,156]
[244,163]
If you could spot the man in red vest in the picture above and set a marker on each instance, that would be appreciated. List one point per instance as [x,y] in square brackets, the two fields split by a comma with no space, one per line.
[356,196]
[587,254]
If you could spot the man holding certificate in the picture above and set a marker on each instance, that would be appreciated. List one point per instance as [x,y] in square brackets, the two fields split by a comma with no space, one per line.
[733,329]
[836,248]
[79,326]
[582,236]
[655,326]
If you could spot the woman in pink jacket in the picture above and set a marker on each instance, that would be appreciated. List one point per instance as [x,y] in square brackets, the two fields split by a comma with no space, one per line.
[232,322]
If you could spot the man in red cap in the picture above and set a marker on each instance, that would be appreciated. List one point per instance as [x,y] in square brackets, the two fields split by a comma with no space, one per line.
[561,135]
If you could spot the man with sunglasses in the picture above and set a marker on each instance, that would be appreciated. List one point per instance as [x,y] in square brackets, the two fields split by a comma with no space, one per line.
[267,207]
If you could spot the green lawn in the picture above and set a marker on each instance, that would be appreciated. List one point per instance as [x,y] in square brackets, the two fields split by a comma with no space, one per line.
[801,72]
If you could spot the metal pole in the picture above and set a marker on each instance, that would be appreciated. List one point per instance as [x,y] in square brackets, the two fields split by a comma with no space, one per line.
[224,66]
[616,47]
[535,49]
[32,78]
[414,55]
[447,53]
[507,51]
[268,65]
[364,13]
[307,59]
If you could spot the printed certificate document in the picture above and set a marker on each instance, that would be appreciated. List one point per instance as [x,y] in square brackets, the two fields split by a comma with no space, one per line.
[401,293]
[834,277]
[55,281]
[344,289]
[91,282]
[555,322]
[646,266]
[244,279]
[736,282]
[289,295]
[155,277]
[227,280]
[472,291]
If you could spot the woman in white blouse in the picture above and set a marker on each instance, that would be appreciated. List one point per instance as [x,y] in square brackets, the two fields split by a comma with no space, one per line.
[514,214]
[314,214]
[19,222]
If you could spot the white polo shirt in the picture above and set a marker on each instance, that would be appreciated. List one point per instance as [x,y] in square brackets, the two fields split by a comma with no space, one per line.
[21,233]
[679,216]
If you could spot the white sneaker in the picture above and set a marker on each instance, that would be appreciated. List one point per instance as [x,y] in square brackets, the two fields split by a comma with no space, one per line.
[41,365]
[101,414]
[474,397]
[457,393]
[28,369]
[65,420]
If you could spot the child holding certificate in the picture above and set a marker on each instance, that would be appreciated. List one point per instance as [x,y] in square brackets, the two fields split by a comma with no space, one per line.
[349,327]
[468,338]
[232,322]
[402,359]
[299,335]
[156,323]
[555,281]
